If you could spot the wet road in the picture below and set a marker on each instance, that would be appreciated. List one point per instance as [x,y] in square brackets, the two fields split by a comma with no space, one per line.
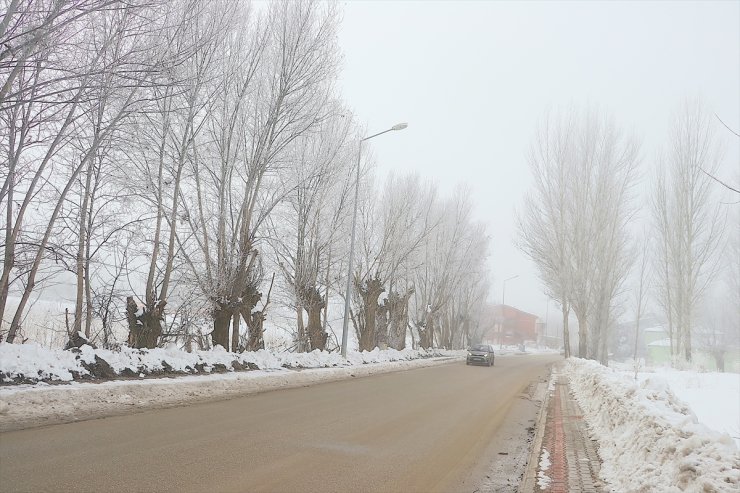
[428,429]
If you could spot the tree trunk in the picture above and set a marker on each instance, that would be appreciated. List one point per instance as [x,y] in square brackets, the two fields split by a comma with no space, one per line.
[235,317]
[595,340]
[145,328]
[566,332]
[426,334]
[301,335]
[398,319]
[221,320]
[582,336]
[317,336]
[687,333]
[381,325]
[88,293]
[81,244]
[370,291]
[603,350]
[255,339]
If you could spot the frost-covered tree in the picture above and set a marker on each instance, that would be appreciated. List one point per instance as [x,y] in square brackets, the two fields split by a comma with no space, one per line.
[394,227]
[306,229]
[91,62]
[275,88]
[689,223]
[574,225]
[450,273]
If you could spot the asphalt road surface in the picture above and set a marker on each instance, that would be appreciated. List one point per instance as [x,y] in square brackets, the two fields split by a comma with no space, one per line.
[429,429]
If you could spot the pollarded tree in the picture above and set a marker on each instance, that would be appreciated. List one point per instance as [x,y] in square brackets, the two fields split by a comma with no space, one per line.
[276,88]
[453,256]
[304,232]
[394,228]
[167,132]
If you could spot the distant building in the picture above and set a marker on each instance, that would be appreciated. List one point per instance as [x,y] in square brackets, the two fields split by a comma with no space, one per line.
[511,326]
[708,352]
[622,335]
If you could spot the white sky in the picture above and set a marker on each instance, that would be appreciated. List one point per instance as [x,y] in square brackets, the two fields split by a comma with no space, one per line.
[472,79]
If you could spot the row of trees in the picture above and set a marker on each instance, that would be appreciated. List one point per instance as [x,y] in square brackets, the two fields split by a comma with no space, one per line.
[183,162]
[576,226]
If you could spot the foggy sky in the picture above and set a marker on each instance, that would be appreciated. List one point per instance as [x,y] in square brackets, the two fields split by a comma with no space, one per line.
[473,79]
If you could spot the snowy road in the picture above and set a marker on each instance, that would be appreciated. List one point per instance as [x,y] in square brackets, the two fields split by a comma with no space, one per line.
[430,429]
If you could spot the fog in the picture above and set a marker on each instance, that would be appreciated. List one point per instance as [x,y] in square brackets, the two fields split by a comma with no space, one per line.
[473,79]
[216,200]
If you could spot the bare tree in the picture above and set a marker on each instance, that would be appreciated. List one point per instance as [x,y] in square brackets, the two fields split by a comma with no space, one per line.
[640,294]
[92,53]
[451,262]
[304,233]
[276,90]
[689,223]
[575,226]
[395,226]
[544,223]
[191,42]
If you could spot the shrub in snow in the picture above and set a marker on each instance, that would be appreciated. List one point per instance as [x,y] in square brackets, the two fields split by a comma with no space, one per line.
[648,439]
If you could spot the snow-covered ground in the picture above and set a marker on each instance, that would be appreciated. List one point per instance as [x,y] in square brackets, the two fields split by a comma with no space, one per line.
[28,405]
[714,397]
[53,392]
[543,480]
[649,438]
[31,362]
[668,431]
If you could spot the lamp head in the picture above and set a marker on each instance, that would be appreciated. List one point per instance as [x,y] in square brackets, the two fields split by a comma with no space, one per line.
[399,126]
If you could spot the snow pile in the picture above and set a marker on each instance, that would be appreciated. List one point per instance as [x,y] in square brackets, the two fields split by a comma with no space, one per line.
[713,396]
[22,406]
[648,439]
[543,480]
[30,363]
[37,362]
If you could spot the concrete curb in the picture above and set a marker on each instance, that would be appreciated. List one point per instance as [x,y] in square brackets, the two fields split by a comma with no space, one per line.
[530,473]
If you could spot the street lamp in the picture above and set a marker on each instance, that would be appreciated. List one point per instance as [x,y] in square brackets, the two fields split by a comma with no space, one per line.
[503,296]
[345,324]
[503,312]
[547,318]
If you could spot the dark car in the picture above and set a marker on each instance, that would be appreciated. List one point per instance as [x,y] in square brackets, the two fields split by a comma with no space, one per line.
[480,354]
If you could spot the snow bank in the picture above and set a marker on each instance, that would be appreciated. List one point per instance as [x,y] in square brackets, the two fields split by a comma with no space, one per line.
[37,362]
[714,397]
[23,406]
[648,439]
[31,363]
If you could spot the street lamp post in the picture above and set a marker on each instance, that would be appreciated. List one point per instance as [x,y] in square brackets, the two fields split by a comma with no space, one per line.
[503,311]
[503,295]
[345,323]
[547,318]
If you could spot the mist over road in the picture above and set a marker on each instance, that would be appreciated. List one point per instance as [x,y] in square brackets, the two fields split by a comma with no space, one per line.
[429,429]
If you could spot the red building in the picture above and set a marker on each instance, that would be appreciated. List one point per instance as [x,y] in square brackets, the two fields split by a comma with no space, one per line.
[511,326]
